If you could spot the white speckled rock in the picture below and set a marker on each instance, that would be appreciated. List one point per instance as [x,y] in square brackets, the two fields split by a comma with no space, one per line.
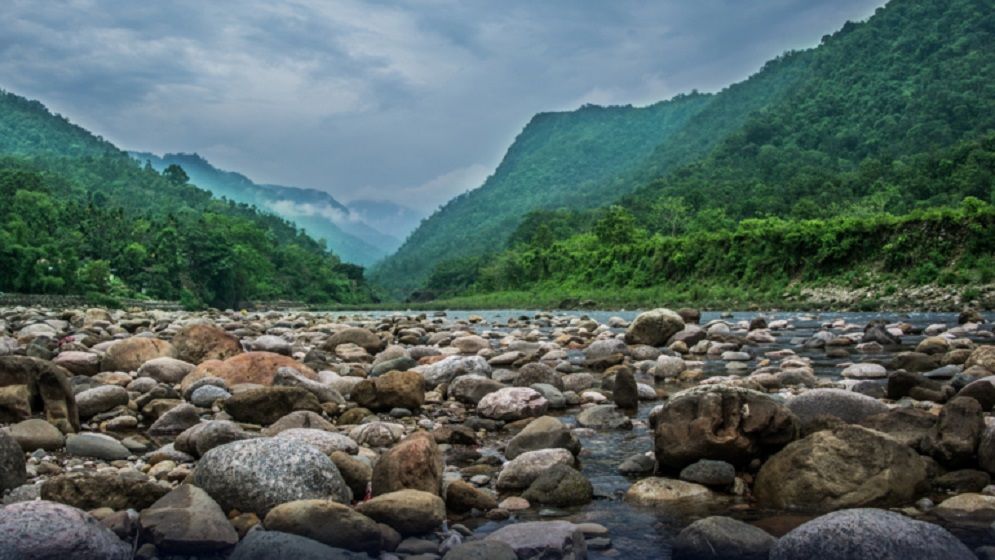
[524,469]
[43,529]
[512,403]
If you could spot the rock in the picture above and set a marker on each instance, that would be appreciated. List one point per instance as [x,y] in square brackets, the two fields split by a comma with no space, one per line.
[448,369]
[13,471]
[848,406]
[917,386]
[356,473]
[462,498]
[100,399]
[266,405]
[954,438]
[537,372]
[272,343]
[255,475]
[849,466]
[933,345]
[289,377]
[206,395]
[625,392]
[396,389]
[877,331]
[36,434]
[78,363]
[908,426]
[719,538]
[986,450]
[326,442]
[542,539]
[971,508]
[865,371]
[709,473]
[523,470]
[401,363]
[983,356]
[274,545]
[638,464]
[299,419]
[981,390]
[604,416]
[409,512]
[964,480]
[915,362]
[666,492]
[201,438]
[544,432]
[130,353]
[26,383]
[187,521]
[166,369]
[654,327]
[256,368]
[481,550]
[720,422]
[415,463]
[869,534]
[363,338]
[327,522]
[469,389]
[512,403]
[470,344]
[98,446]
[47,530]
[669,366]
[199,342]
[560,486]
[117,490]
[376,434]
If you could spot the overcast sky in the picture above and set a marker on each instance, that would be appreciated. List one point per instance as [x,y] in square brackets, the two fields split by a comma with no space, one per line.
[406,101]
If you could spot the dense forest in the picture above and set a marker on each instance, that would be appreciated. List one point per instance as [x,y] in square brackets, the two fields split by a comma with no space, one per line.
[81,216]
[884,119]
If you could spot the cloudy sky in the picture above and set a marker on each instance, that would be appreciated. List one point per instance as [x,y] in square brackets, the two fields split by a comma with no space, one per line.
[407,101]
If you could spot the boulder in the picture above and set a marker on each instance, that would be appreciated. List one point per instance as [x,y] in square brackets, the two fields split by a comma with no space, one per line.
[255,475]
[187,521]
[78,363]
[710,473]
[669,493]
[720,422]
[869,534]
[364,338]
[654,328]
[97,446]
[29,386]
[908,426]
[100,399]
[537,372]
[396,389]
[462,498]
[512,403]
[954,439]
[200,342]
[720,538]
[265,405]
[130,353]
[272,343]
[326,442]
[94,489]
[469,389]
[982,356]
[604,416]
[849,466]
[275,545]
[327,522]
[409,512]
[848,406]
[36,434]
[166,369]
[542,539]
[544,432]
[13,471]
[625,391]
[415,463]
[257,368]
[38,530]
[560,486]
[523,470]
[981,390]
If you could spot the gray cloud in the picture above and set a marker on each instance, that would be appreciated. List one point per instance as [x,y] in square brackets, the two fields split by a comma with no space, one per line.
[410,101]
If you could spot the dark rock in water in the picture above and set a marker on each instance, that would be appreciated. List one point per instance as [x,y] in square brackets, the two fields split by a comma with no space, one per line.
[625,391]
[909,384]
[47,530]
[187,521]
[397,389]
[955,437]
[481,550]
[874,388]
[869,534]
[604,416]
[637,464]
[877,331]
[274,545]
[544,432]
[26,383]
[966,480]
[12,465]
[720,538]
[560,486]
[916,362]
[981,390]
[654,327]
[970,316]
[845,467]
[707,423]
[709,473]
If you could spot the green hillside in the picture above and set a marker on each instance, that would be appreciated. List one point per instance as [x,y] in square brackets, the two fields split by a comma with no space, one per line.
[78,215]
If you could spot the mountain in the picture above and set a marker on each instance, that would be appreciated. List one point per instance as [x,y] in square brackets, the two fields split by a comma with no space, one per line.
[317,212]
[575,159]
[79,215]
[389,217]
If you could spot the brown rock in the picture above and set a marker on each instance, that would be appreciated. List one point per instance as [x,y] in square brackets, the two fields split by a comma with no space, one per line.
[415,462]
[462,497]
[396,389]
[257,368]
[266,405]
[91,490]
[409,512]
[30,386]
[200,342]
[129,354]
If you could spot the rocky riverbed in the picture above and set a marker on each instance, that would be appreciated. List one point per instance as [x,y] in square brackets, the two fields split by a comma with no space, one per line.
[499,435]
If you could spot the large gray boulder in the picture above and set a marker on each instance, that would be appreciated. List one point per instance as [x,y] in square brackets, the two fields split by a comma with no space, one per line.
[719,538]
[848,406]
[256,475]
[869,534]
[274,545]
[654,327]
[42,530]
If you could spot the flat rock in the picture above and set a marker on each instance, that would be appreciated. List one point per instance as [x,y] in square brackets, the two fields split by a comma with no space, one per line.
[187,521]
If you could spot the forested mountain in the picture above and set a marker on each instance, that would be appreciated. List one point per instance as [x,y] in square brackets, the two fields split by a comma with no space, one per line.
[79,215]
[321,216]
[571,160]
[833,130]
[389,217]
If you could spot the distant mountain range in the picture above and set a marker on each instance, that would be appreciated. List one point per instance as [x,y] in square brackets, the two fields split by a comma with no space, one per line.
[362,232]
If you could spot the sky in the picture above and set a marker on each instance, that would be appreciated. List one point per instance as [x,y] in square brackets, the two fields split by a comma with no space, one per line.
[413,102]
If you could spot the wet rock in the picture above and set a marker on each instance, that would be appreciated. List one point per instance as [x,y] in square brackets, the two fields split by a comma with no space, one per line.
[544,432]
[954,438]
[29,386]
[265,405]
[274,545]
[908,426]
[720,538]
[397,389]
[409,512]
[971,508]
[846,405]
[868,534]
[98,446]
[327,522]
[356,472]
[42,529]
[542,539]
[625,391]
[667,492]
[187,521]
[12,466]
[166,369]
[415,463]
[964,480]
[462,498]
[637,465]
[36,434]
[849,466]
[469,389]
[560,486]
[710,473]
[481,550]
[654,327]
[523,470]
[669,366]
[512,403]
[720,422]
[604,416]
[255,475]
[199,342]
[90,490]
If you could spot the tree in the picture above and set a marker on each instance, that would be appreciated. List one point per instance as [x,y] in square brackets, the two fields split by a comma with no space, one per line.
[617,227]
[176,175]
